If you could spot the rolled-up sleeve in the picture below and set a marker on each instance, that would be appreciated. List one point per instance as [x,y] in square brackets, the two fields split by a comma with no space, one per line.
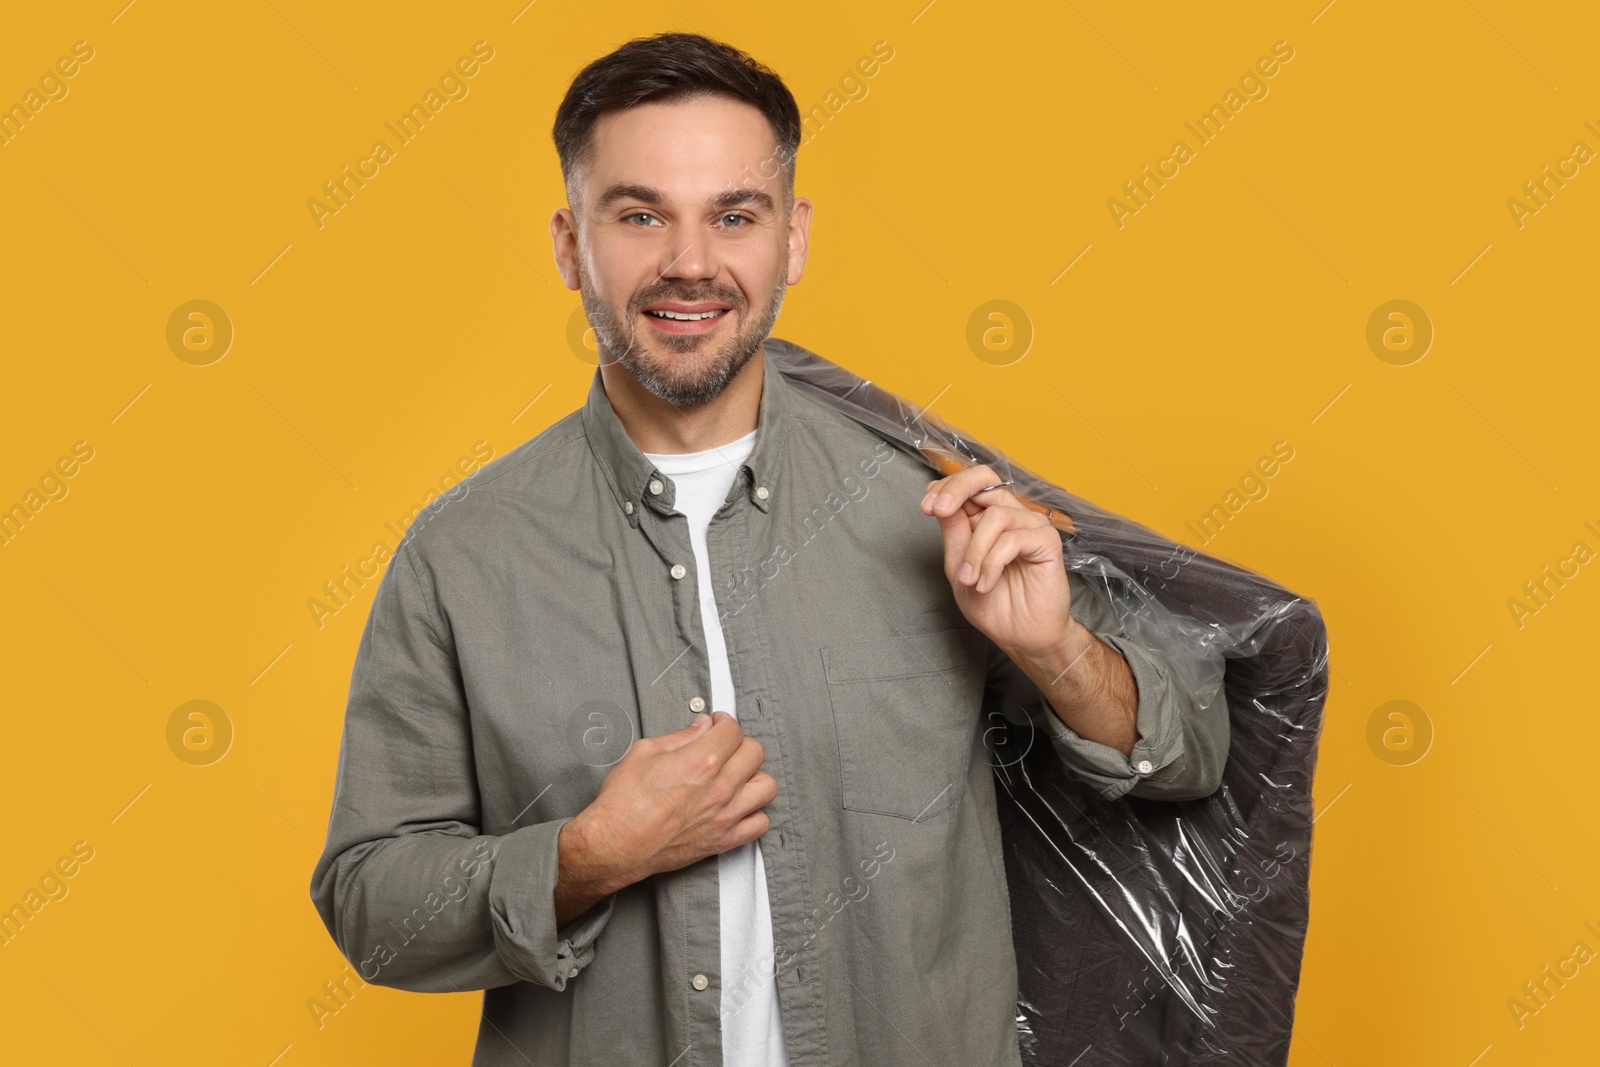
[413,894]
[1182,715]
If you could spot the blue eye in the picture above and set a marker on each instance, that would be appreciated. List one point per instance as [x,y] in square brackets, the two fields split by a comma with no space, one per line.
[637,215]
[736,218]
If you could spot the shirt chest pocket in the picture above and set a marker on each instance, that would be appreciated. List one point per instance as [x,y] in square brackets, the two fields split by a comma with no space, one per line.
[905,713]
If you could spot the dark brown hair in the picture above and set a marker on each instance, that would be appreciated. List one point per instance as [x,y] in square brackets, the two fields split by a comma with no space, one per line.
[667,67]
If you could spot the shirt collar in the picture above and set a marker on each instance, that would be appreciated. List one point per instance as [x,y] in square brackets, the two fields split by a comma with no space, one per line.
[630,473]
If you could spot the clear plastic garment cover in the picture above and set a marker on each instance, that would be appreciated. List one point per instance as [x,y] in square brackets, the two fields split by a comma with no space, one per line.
[1147,932]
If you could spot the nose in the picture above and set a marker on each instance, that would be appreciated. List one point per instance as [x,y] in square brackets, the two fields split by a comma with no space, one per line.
[691,258]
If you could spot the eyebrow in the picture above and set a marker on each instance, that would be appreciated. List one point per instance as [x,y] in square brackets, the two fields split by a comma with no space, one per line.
[648,195]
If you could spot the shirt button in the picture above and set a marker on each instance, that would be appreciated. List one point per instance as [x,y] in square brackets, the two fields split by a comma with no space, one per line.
[761,492]
[697,705]
[656,486]
[699,981]
[627,507]
[678,570]
[1144,766]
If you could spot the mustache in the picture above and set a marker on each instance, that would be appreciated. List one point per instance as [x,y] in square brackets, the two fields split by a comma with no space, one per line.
[732,297]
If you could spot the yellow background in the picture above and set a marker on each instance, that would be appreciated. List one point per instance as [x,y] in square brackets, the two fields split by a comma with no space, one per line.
[1226,315]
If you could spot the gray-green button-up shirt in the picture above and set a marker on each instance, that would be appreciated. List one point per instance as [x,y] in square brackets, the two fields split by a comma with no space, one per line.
[534,621]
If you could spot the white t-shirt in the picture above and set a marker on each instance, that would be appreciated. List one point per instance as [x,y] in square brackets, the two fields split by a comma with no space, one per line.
[752,1025]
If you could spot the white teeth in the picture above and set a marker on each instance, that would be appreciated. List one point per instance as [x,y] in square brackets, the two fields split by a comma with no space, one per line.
[686,317]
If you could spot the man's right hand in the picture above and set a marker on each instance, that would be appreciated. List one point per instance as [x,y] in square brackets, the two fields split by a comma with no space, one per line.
[671,800]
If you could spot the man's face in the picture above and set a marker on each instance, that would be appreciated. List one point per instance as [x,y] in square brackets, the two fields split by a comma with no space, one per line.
[678,215]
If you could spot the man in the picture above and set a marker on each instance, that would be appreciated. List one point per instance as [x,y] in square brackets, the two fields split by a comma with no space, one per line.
[665,727]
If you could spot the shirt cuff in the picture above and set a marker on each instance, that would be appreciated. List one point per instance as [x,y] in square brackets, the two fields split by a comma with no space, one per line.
[1156,754]
[523,913]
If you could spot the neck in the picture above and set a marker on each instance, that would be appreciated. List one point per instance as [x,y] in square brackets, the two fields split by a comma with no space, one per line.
[657,426]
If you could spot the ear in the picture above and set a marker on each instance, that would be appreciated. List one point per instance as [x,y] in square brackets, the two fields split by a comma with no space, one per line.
[564,238]
[799,238]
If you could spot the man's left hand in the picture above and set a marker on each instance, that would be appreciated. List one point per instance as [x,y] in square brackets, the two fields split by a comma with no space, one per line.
[1004,563]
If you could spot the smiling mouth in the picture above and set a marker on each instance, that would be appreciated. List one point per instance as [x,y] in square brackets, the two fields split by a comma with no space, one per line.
[684,316]
[671,322]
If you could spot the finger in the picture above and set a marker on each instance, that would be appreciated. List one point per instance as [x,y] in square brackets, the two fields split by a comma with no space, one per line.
[748,795]
[760,790]
[743,764]
[1006,548]
[986,530]
[1032,544]
[678,738]
[722,737]
[751,827]
[956,531]
[947,495]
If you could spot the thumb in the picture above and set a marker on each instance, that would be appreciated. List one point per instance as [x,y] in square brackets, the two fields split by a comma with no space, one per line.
[678,738]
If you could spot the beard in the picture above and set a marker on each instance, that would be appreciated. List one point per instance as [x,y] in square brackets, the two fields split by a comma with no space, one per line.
[683,369]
